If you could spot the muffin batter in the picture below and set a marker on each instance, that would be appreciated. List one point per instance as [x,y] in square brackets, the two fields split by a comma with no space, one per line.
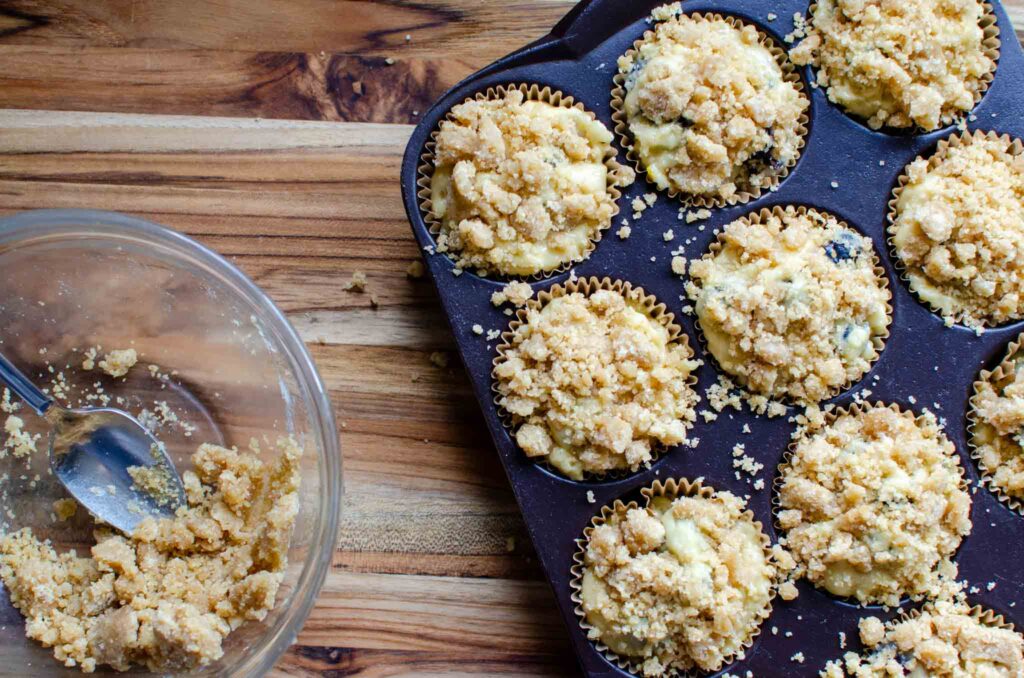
[521,187]
[958,227]
[998,424]
[946,641]
[791,305]
[682,584]
[873,506]
[709,109]
[166,597]
[899,64]
[594,382]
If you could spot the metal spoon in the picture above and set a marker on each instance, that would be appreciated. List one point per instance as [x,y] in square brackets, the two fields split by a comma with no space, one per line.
[91,450]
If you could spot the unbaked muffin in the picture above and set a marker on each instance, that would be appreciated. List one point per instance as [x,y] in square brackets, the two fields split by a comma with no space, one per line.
[682,584]
[873,505]
[900,64]
[957,225]
[521,186]
[997,414]
[596,382]
[791,304]
[709,110]
[945,640]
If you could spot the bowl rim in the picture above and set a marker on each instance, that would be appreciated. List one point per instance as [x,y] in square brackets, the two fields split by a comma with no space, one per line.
[34,224]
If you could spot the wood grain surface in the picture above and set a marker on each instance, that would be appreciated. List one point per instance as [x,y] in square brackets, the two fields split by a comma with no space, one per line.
[256,127]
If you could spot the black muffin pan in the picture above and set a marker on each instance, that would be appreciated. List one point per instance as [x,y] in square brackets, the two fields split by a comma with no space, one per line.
[924,364]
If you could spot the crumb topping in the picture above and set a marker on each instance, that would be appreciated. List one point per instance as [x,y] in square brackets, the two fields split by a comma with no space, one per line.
[898,64]
[166,597]
[946,640]
[679,585]
[520,186]
[792,307]
[116,363]
[873,506]
[593,383]
[709,109]
[998,426]
[958,227]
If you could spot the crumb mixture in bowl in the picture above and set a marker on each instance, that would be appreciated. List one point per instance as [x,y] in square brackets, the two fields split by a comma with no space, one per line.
[596,377]
[946,639]
[682,584]
[873,504]
[792,304]
[522,183]
[902,64]
[707,109]
[957,225]
[167,596]
[996,426]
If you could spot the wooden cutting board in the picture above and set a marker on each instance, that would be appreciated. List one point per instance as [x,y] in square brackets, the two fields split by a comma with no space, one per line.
[272,131]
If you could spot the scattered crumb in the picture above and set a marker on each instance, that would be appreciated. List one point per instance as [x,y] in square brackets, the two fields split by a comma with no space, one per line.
[516,293]
[357,283]
[439,359]
[415,269]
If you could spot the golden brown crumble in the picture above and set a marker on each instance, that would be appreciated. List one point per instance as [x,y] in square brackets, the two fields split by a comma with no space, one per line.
[516,293]
[898,64]
[958,227]
[791,307]
[168,596]
[998,425]
[682,584]
[946,640]
[709,109]
[117,363]
[593,383]
[873,505]
[520,186]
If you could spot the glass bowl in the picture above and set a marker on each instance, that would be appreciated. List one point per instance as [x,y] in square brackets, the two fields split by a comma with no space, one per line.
[225,362]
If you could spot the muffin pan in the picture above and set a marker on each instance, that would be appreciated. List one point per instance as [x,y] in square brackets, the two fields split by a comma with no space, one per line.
[846,169]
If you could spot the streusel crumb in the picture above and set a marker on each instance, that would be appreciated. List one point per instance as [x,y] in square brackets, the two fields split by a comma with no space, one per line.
[998,426]
[898,64]
[593,383]
[874,507]
[791,307]
[958,228]
[679,585]
[709,109]
[118,363]
[516,293]
[946,640]
[520,186]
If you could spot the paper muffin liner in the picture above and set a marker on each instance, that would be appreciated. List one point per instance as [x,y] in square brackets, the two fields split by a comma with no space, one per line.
[653,308]
[790,73]
[878,342]
[1003,370]
[1014,147]
[830,418]
[531,92]
[990,43]
[671,488]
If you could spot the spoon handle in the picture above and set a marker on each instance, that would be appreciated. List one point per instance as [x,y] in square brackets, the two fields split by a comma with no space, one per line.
[23,388]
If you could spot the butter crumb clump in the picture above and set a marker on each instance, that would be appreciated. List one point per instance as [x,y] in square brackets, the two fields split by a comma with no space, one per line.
[594,383]
[521,186]
[516,293]
[166,597]
[680,585]
[117,363]
[792,307]
[946,639]
[899,64]
[874,507]
[958,227]
[709,109]
[998,417]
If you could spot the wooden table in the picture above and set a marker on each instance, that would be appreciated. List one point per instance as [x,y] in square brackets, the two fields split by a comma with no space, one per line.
[272,131]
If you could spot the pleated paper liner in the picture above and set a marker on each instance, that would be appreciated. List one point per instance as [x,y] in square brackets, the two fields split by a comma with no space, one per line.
[642,301]
[980,433]
[878,342]
[531,92]
[990,44]
[1013,146]
[830,418]
[670,489]
[743,194]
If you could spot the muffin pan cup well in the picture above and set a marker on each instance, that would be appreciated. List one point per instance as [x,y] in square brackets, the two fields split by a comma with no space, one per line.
[845,169]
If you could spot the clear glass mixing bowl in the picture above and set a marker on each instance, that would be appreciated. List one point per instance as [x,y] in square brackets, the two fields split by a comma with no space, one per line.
[228,365]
